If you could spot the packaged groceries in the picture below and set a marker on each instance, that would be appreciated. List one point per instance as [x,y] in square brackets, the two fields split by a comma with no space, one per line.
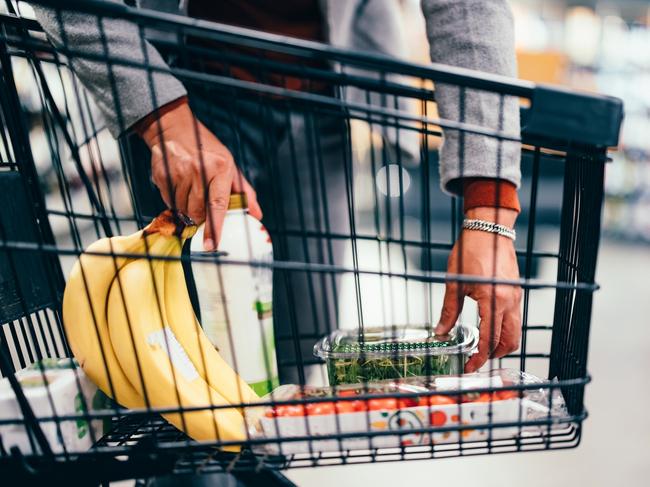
[236,299]
[53,387]
[409,412]
[394,352]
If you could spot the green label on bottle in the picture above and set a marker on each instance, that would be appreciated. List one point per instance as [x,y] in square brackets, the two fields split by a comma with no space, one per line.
[264,309]
[263,387]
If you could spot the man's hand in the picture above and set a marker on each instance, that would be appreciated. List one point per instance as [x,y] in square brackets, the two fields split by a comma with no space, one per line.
[194,171]
[477,253]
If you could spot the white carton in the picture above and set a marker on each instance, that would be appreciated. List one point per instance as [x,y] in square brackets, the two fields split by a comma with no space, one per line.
[401,420]
[236,301]
[61,389]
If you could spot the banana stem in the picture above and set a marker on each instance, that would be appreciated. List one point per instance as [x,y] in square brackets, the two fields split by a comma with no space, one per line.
[172,223]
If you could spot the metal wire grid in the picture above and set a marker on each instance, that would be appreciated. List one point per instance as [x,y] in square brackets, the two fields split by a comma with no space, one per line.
[72,128]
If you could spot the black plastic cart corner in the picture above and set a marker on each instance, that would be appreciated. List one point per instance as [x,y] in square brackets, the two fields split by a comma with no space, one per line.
[63,184]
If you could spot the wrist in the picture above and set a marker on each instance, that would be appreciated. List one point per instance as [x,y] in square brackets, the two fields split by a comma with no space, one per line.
[153,127]
[502,216]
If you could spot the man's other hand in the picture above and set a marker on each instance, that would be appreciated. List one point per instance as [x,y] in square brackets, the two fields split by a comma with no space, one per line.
[487,255]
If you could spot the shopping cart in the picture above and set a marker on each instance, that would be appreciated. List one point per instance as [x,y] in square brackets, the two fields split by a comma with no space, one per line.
[367,248]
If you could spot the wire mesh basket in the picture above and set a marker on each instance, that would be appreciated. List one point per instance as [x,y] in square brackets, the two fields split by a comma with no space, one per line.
[342,149]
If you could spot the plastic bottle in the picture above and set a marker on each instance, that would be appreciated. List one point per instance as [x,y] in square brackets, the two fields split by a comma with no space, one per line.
[236,300]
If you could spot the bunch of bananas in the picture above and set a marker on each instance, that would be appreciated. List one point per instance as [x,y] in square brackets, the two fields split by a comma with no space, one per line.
[130,324]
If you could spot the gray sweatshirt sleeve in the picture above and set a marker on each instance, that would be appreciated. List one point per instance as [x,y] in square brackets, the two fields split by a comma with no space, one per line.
[124,94]
[475,34]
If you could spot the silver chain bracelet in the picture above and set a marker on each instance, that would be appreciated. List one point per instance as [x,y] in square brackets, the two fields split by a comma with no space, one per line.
[491,227]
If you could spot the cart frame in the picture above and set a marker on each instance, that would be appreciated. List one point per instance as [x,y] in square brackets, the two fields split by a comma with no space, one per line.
[559,127]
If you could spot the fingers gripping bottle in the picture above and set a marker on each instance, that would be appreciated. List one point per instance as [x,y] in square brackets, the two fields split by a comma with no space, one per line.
[235,300]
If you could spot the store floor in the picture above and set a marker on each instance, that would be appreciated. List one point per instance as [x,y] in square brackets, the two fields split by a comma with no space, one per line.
[615,449]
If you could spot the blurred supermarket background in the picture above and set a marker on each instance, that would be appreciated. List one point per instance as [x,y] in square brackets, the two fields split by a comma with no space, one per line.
[599,46]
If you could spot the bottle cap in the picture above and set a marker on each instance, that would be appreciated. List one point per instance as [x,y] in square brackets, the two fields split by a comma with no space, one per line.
[237,201]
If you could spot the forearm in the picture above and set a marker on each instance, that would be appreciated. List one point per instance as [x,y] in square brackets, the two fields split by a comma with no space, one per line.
[124,94]
[475,34]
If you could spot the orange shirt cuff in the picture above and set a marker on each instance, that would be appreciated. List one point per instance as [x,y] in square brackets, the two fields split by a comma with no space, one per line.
[494,193]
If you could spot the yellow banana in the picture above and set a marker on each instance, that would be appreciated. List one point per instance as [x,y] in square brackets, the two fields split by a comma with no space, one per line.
[182,320]
[84,315]
[152,356]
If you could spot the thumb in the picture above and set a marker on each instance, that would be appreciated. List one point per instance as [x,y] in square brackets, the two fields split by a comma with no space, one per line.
[452,305]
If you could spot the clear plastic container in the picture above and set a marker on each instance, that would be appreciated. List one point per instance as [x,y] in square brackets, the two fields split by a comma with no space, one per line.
[395,352]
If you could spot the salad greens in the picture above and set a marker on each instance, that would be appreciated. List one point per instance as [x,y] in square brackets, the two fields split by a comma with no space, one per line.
[369,369]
